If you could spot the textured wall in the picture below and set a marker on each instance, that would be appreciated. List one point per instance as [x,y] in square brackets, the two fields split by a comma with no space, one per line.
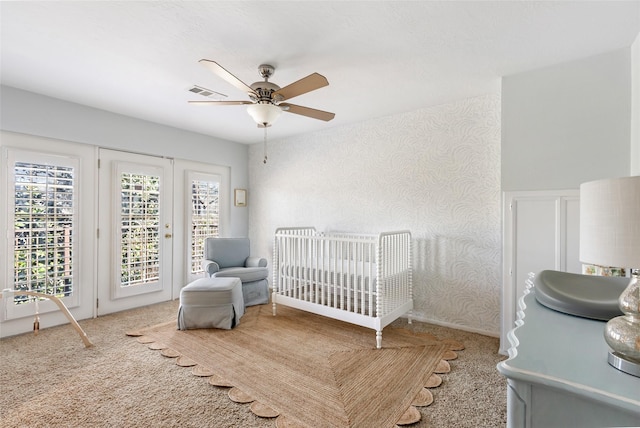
[434,171]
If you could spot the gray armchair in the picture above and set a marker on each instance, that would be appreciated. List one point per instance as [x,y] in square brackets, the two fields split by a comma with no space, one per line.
[230,257]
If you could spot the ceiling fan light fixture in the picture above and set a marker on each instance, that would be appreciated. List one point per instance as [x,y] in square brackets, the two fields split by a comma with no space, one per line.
[264,114]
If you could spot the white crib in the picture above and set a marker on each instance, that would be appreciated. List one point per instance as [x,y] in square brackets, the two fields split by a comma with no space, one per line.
[362,279]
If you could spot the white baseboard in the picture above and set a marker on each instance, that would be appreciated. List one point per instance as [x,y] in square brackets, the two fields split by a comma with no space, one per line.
[455,326]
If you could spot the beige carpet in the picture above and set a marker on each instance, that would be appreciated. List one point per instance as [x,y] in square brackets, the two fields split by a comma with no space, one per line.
[52,381]
[311,371]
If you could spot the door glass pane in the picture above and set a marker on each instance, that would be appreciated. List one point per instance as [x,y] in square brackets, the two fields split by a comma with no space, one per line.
[44,214]
[139,229]
[205,218]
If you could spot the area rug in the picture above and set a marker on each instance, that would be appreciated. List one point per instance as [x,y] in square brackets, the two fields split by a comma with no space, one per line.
[312,371]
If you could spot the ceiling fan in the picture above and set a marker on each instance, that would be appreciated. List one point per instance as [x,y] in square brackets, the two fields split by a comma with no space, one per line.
[266,98]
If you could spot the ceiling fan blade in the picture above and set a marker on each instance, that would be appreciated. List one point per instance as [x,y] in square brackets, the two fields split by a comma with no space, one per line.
[309,112]
[221,103]
[306,84]
[217,69]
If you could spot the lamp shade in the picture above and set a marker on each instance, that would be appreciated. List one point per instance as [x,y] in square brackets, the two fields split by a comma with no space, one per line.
[264,114]
[610,222]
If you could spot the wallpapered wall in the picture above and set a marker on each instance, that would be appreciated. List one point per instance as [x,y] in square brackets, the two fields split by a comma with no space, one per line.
[434,171]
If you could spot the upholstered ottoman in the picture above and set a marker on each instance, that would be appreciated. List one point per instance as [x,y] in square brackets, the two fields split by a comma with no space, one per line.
[211,303]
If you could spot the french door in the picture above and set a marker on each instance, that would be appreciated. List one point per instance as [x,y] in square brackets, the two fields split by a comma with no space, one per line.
[101,241]
[135,230]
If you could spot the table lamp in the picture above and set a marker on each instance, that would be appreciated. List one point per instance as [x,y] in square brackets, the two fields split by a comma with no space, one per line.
[610,236]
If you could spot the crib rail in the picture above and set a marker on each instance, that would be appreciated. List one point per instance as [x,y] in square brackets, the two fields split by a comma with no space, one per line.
[362,274]
[282,246]
[395,270]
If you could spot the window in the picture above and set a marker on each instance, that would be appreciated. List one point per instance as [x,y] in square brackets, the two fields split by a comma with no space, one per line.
[44,216]
[139,229]
[47,211]
[205,215]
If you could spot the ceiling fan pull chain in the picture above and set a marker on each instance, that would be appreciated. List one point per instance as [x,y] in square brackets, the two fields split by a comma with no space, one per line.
[265,145]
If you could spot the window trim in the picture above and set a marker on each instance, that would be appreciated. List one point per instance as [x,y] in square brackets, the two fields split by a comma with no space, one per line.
[200,176]
[182,202]
[118,291]
[10,157]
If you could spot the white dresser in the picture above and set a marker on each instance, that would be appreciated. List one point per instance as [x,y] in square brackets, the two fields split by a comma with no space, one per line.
[558,375]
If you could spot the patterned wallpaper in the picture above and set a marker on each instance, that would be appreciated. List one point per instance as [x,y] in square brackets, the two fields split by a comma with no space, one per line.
[434,171]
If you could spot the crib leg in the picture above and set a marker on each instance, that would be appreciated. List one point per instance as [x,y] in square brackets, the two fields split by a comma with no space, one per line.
[379,339]
[273,303]
[410,317]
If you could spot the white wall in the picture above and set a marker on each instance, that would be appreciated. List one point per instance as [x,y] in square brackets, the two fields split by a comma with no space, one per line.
[561,126]
[635,107]
[434,171]
[35,114]
[567,124]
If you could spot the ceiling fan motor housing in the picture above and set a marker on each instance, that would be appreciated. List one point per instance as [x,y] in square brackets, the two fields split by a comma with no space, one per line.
[264,91]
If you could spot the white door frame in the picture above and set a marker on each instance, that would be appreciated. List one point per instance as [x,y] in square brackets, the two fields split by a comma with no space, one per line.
[184,171]
[112,296]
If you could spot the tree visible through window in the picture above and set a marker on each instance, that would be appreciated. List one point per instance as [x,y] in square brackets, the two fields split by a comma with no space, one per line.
[43,229]
[205,218]
[140,229]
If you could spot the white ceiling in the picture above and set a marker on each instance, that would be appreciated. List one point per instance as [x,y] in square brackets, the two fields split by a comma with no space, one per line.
[384,57]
